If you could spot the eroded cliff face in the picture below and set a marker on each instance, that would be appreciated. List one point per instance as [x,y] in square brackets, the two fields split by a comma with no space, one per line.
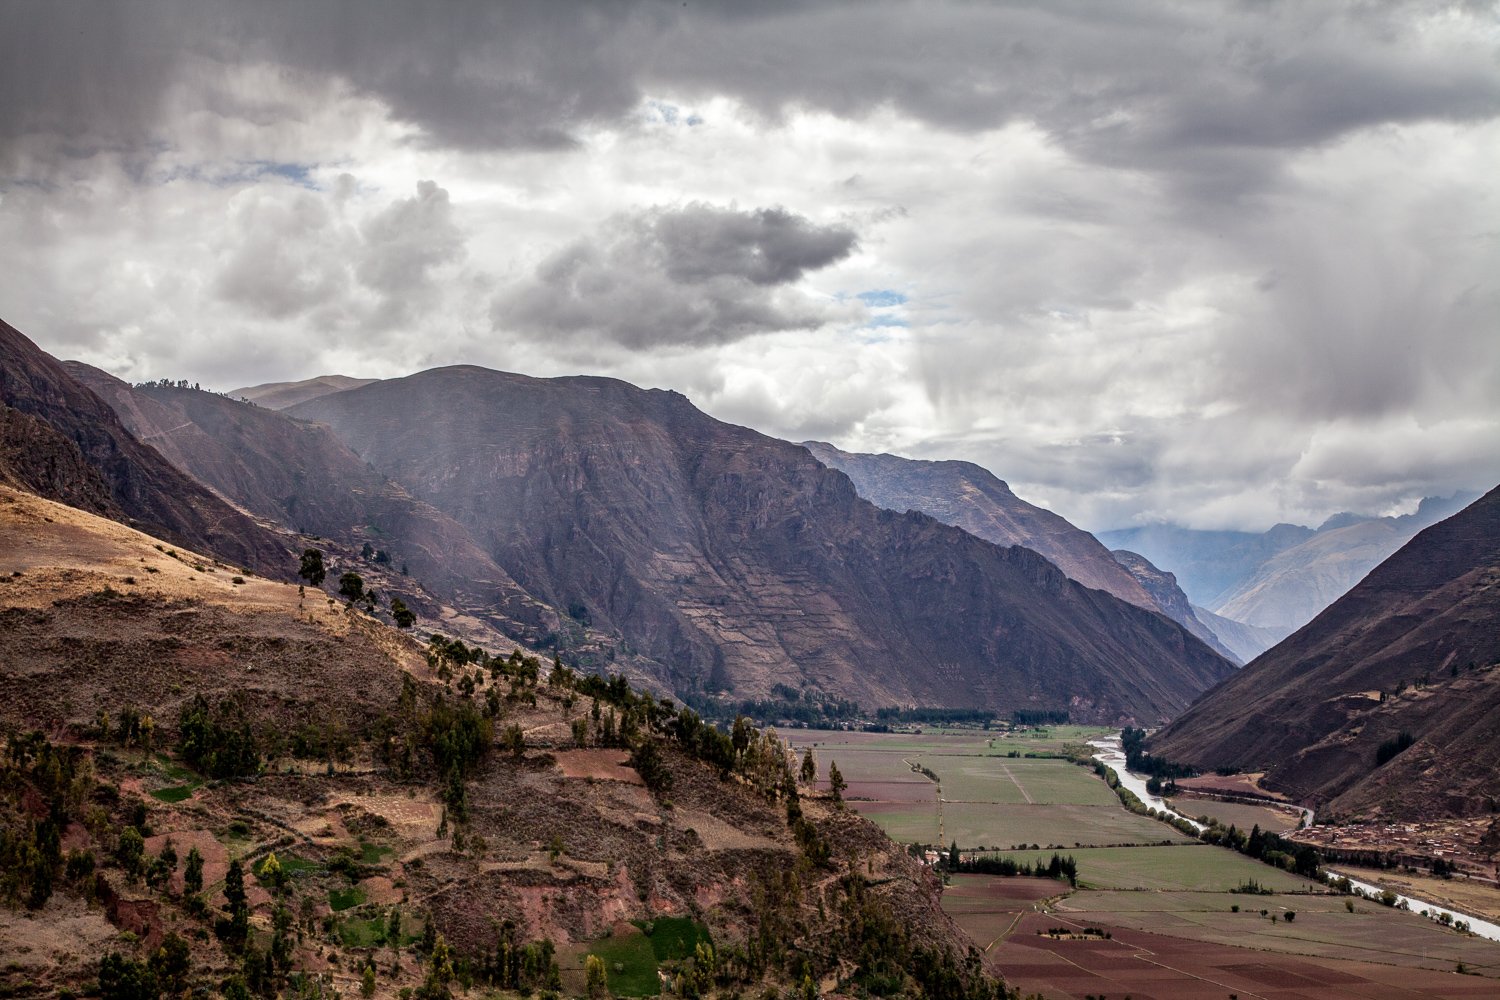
[733,561]
[143,488]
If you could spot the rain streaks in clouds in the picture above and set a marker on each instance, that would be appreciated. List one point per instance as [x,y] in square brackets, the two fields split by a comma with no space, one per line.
[1221,264]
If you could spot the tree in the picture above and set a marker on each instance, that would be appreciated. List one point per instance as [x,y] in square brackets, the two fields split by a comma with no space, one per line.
[238,926]
[172,963]
[192,873]
[836,783]
[122,978]
[352,586]
[311,568]
[129,850]
[404,616]
[809,768]
[596,976]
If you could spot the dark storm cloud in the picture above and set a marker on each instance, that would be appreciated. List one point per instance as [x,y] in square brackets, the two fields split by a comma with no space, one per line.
[1117,82]
[690,275]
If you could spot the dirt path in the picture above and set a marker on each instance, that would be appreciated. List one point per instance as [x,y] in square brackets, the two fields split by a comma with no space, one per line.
[1024,793]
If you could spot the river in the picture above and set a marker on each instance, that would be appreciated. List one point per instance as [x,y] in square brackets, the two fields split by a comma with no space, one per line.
[1112,755]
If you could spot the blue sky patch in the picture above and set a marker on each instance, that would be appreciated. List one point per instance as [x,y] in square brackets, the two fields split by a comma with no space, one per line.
[880,297]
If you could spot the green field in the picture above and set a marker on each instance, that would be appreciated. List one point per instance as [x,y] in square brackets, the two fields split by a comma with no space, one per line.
[1001,827]
[989,799]
[176,793]
[343,899]
[676,938]
[630,964]
[1192,867]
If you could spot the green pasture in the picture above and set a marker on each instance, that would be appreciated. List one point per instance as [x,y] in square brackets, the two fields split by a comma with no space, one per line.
[1010,826]
[630,963]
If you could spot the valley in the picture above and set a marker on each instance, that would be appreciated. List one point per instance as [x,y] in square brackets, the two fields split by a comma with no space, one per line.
[1155,913]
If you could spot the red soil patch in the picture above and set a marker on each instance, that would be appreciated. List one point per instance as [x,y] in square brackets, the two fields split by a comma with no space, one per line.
[380,890]
[215,855]
[600,765]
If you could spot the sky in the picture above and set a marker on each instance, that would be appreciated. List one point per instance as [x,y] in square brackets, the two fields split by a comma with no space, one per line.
[1219,264]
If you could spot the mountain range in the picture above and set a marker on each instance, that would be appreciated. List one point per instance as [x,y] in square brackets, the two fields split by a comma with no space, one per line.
[1388,702]
[1278,580]
[727,561]
[632,533]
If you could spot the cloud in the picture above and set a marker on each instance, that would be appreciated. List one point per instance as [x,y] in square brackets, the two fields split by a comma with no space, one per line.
[1217,262]
[695,274]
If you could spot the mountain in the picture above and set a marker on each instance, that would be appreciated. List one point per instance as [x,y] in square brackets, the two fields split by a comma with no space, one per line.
[1245,641]
[61,441]
[1410,655]
[1206,564]
[733,562]
[298,475]
[156,713]
[1279,579]
[280,395]
[1293,585]
[1162,586]
[969,496]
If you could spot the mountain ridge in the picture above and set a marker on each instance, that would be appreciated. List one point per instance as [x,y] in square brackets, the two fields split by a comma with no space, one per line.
[736,560]
[1413,648]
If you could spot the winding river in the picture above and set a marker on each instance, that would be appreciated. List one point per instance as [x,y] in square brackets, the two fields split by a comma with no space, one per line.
[1112,755]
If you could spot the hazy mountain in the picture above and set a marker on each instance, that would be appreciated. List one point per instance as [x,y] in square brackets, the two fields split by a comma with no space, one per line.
[735,561]
[301,476]
[1293,585]
[971,497]
[1280,579]
[1414,648]
[1162,586]
[1246,641]
[61,441]
[1206,564]
[280,395]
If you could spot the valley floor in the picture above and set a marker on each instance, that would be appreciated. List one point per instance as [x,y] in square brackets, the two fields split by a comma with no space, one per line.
[1155,914]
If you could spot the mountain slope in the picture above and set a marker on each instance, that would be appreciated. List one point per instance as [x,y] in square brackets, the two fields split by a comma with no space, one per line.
[1245,641]
[1292,586]
[299,475]
[970,497]
[62,441]
[1207,564]
[1413,648]
[1162,586]
[338,728]
[734,561]
[280,395]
